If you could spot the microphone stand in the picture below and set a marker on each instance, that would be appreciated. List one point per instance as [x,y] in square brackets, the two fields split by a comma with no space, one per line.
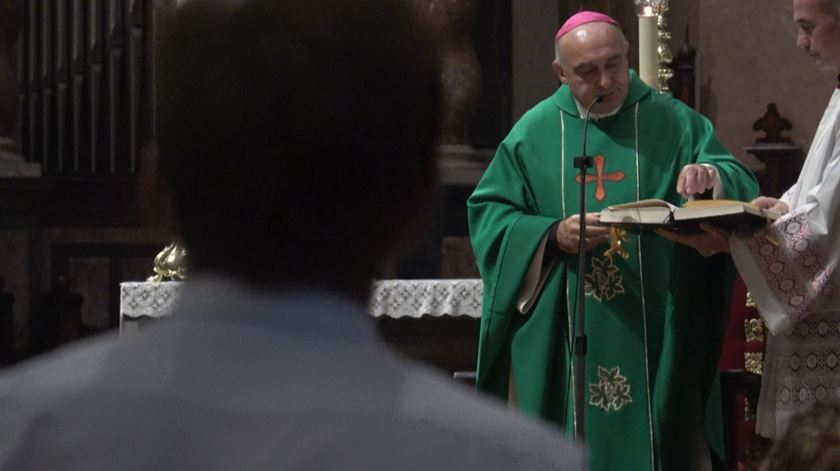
[582,163]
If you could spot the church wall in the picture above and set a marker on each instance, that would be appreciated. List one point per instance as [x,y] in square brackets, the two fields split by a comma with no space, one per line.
[534,24]
[747,57]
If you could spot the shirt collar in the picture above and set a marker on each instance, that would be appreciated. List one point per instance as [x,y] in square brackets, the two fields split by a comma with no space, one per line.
[592,115]
[638,90]
[310,311]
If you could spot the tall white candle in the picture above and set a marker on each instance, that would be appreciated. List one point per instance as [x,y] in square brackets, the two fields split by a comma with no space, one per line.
[648,43]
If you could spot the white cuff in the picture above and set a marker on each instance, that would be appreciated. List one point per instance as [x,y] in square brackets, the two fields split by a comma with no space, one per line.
[534,279]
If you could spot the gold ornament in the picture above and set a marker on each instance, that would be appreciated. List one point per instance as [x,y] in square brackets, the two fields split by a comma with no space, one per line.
[750,301]
[170,264]
[618,235]
[754,330]
[754,362]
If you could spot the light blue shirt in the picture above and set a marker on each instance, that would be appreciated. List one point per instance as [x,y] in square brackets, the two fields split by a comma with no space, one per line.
[243,380]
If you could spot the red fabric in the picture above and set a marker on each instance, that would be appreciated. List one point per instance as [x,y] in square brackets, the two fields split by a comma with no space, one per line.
[732,356]
[751,448]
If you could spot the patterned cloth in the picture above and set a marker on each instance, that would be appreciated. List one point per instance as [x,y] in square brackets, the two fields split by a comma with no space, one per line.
[801,367]
[390,298]
[415,298]
[148,299]
[791,273]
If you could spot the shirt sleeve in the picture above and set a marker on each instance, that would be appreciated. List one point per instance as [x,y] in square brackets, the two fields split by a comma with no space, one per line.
[790,268]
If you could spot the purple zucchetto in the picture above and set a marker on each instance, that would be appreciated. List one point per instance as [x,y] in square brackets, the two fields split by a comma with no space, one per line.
[582,18]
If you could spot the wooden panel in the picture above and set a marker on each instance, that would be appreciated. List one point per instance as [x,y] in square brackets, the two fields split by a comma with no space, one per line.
[50,201]
[94,269]
[447,343]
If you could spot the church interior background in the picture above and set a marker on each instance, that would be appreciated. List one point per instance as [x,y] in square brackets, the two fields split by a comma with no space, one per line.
[77,105]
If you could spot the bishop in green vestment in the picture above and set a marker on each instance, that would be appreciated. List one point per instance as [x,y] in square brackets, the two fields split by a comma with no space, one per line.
[655,320]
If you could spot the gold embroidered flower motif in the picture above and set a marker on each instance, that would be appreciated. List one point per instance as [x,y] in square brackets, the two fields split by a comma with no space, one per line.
[604,281]
[612,391]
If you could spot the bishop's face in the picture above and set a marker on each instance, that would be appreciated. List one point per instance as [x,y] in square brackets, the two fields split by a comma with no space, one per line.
[593,61]
[818,31]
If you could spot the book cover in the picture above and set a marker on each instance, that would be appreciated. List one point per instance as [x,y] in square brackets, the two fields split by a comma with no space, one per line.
[739,216]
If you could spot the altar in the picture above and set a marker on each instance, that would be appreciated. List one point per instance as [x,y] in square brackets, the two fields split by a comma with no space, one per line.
[434,321]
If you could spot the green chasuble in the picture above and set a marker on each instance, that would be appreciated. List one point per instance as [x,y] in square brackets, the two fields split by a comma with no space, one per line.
[655,321]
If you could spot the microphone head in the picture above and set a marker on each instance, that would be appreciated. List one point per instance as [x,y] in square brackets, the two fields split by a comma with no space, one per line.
[599,98]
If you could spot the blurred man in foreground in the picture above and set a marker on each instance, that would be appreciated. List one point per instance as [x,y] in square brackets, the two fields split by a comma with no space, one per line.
[296,148]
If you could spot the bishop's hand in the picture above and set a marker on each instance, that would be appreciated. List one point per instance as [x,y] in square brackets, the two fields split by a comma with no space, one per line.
[568,233]
[696,178]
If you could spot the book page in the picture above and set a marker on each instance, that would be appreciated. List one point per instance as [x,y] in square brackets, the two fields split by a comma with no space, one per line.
[716,203]
[650,203]
[721,207]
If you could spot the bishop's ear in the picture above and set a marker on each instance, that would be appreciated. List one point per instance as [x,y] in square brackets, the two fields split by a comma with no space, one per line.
[558,70]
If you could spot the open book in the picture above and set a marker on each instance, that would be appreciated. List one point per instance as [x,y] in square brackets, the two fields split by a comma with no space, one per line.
[738,216]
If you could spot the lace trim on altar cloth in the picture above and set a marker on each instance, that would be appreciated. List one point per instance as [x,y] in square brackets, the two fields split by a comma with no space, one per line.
[436,298]
[389,298]
[796,270]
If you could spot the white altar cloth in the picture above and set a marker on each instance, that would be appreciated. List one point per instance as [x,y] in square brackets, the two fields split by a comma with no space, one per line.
[390,298]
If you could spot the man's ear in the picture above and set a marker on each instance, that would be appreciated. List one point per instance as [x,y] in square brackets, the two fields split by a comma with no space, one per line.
[558,70]
[152,197]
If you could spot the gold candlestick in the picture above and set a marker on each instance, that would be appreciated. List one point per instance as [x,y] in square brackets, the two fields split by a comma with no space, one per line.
[664,48]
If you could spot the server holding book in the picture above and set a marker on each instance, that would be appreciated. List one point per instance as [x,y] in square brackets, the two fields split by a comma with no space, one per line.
[791,269]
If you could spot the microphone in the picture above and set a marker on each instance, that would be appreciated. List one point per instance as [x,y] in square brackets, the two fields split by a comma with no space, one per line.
[582,163]
[595,101]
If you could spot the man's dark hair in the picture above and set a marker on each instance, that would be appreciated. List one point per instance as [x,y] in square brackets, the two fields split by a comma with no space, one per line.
[832,6]
[296,138]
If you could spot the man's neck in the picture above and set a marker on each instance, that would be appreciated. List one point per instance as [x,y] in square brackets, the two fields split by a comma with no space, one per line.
[592,114]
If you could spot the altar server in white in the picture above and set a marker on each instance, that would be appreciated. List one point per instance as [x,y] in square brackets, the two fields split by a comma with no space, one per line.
[791,269]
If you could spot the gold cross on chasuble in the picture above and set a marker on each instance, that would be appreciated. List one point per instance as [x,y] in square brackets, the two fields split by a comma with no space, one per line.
[600,177]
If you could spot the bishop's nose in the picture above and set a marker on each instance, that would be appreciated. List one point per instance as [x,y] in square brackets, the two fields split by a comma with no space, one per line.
[605,83]
[803,42]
